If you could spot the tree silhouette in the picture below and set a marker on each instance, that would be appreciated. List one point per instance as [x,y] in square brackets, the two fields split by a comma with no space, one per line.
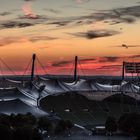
[45,124]
[5,132]
[111,125]
[130,124]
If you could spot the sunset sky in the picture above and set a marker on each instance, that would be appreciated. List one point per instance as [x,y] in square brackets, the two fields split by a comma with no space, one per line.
[97,31]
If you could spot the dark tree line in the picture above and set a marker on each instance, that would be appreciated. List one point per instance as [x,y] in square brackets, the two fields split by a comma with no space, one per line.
[128,123]
[28,127]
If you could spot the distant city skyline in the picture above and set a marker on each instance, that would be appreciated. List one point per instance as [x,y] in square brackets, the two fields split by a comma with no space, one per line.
[102,33]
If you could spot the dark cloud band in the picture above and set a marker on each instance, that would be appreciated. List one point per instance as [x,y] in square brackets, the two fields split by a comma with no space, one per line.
[96,34]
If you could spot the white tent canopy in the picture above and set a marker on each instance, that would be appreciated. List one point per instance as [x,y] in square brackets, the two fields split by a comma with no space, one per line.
[129,87]
[103,87]
[53,86]
[18,106]
[81,85]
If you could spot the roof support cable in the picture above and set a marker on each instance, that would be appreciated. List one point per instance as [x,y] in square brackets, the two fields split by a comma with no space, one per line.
[42,66]
[27,68]
[8,67]
[82,70]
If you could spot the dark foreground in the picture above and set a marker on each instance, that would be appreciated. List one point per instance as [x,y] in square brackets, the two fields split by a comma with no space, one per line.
[78,137]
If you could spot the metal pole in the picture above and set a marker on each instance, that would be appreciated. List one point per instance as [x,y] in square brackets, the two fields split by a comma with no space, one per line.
[33,66]
[75,68]
[123,70]
[122,94]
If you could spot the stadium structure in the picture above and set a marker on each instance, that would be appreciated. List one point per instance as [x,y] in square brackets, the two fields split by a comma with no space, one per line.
[85,102]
